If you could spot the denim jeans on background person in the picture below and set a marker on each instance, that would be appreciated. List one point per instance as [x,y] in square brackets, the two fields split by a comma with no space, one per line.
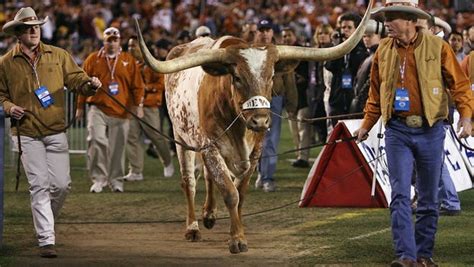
[448,196]
[425,146]
[268,162]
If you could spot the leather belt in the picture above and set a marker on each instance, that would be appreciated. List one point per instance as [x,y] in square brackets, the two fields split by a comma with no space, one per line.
[412,121]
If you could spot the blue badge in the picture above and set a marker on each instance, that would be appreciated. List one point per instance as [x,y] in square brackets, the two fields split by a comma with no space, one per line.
[402,100]
[347,80]
[113,88]
[44,96]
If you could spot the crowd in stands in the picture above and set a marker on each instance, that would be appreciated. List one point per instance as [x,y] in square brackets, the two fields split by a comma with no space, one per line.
[77,25]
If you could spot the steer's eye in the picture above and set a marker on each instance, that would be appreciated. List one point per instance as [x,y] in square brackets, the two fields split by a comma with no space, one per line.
[237,81]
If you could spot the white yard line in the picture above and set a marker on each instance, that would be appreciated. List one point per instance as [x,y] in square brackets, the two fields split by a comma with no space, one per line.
[359,237]
[370,234]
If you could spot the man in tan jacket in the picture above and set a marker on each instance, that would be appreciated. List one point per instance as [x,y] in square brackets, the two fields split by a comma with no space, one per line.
[412,74]
[33,76]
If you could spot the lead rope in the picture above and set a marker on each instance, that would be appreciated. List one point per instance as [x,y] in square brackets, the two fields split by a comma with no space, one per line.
[185,146]
[308,120]
[459,140]
[338,180]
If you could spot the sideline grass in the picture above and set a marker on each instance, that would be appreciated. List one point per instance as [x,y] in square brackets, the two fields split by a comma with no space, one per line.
[341,236]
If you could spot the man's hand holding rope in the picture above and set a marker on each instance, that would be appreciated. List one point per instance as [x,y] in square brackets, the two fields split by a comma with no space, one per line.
[361,134]
[464,128]
[17,112]
[95,83]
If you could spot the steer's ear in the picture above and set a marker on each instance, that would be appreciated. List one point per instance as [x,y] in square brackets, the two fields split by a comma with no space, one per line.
[216,69]
[284,66]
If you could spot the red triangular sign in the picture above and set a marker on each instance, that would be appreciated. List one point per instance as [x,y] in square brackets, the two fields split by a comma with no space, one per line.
[341,177]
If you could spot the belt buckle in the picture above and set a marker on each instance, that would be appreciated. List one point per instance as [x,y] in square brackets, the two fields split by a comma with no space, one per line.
[414,121]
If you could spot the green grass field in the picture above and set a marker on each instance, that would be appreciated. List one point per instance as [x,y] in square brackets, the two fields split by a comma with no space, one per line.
[340,236]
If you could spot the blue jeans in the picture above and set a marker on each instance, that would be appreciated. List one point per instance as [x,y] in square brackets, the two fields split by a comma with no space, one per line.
[424,146]
[268,162]
[448,196]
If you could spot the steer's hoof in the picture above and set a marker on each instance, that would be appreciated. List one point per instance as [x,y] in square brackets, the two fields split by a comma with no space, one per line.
[243,246]
[238,246]
[209,221]
[234,247]
[193,235]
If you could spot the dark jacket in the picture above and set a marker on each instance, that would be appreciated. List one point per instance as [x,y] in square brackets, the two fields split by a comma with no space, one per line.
[302,80]
[316,88]
[362,83]
[340,98]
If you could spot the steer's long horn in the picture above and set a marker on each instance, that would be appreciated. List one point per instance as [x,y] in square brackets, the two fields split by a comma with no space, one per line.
[323,54]
[180,63]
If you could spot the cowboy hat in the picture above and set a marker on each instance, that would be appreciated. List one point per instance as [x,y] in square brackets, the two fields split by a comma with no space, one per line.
[443,24]
[26,16]
[408,6]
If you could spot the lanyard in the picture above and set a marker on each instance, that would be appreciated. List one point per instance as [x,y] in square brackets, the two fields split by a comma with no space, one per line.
[402,70]
[112,69]
[404,64]
[346,60]
[33,66]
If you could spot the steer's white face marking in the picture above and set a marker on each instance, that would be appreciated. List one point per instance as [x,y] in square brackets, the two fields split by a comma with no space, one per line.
[256,60]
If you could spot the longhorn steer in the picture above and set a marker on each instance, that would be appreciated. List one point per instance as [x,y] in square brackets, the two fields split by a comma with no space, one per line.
[214,84]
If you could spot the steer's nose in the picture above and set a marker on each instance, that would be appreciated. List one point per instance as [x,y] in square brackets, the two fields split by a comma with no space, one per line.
[259,122]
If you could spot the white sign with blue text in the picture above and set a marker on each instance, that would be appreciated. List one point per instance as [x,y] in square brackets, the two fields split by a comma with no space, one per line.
[459,161]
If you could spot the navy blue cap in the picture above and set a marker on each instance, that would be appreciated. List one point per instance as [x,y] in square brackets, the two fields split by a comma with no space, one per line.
[265,24]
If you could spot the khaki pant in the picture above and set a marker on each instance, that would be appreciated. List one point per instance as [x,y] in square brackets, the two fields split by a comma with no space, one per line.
[135,147]
[106,147]
[46,164]
[302,132]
